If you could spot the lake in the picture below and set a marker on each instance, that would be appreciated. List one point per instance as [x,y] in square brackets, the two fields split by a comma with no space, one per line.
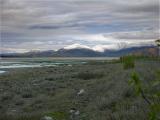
[10,63]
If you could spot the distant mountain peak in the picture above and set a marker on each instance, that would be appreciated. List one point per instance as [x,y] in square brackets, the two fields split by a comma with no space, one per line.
[76,46]
[96,48]
[77,50]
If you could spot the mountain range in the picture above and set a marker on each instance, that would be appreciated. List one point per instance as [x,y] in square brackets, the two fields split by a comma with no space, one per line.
[85,52]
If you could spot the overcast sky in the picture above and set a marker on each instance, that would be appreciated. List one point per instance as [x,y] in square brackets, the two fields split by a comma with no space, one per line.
[52,24]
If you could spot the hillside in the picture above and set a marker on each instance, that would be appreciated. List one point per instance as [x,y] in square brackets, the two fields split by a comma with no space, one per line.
[84,52]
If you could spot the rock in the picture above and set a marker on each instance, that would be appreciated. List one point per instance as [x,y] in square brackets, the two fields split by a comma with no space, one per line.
[72,110]
[13,110]
[81,92]
[47,118]
[70,65]
[77,112]
[74,114]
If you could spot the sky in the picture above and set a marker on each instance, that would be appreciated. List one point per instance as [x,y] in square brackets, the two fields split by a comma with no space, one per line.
[29,25]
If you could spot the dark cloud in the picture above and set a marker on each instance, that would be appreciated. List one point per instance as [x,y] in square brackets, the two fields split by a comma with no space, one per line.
[136,35]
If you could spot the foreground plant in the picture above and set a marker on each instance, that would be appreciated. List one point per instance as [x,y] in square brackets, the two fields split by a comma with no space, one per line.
[139,90]
[158,44]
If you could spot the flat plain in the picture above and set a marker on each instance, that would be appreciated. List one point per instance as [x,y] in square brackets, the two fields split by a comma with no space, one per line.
[98,89]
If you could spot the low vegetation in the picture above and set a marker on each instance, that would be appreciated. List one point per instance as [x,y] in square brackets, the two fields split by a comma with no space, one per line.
[89,75]
[97,91]
[128,62]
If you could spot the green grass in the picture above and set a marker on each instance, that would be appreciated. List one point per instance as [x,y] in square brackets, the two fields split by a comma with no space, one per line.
[58,115]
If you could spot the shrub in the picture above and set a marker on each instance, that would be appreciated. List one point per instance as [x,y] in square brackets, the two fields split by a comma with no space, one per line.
[6,97]
[20,102]
[89,75]
[128,62]
[27,95]
[49,78]
[59,115]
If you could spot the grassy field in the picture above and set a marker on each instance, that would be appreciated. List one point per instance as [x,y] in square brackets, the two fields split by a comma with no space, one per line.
[99,90]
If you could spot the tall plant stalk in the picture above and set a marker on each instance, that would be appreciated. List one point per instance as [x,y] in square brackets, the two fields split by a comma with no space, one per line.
[158,44]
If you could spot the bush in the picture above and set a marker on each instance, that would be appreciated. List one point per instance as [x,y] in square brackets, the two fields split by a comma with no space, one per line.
[27,95]
[59,115]
[20,117]
[128,62]
[89,75]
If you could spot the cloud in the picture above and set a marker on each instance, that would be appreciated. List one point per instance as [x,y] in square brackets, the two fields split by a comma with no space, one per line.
[66,22]
[136,35]
[93,38]
[98,48]
[73,46]
[116,46]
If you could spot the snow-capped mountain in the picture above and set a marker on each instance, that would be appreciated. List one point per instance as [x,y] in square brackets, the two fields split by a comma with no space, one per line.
[85,51]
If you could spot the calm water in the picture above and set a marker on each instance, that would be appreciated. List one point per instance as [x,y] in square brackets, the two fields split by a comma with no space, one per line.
[4,66]
[11,63]
[1,71]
